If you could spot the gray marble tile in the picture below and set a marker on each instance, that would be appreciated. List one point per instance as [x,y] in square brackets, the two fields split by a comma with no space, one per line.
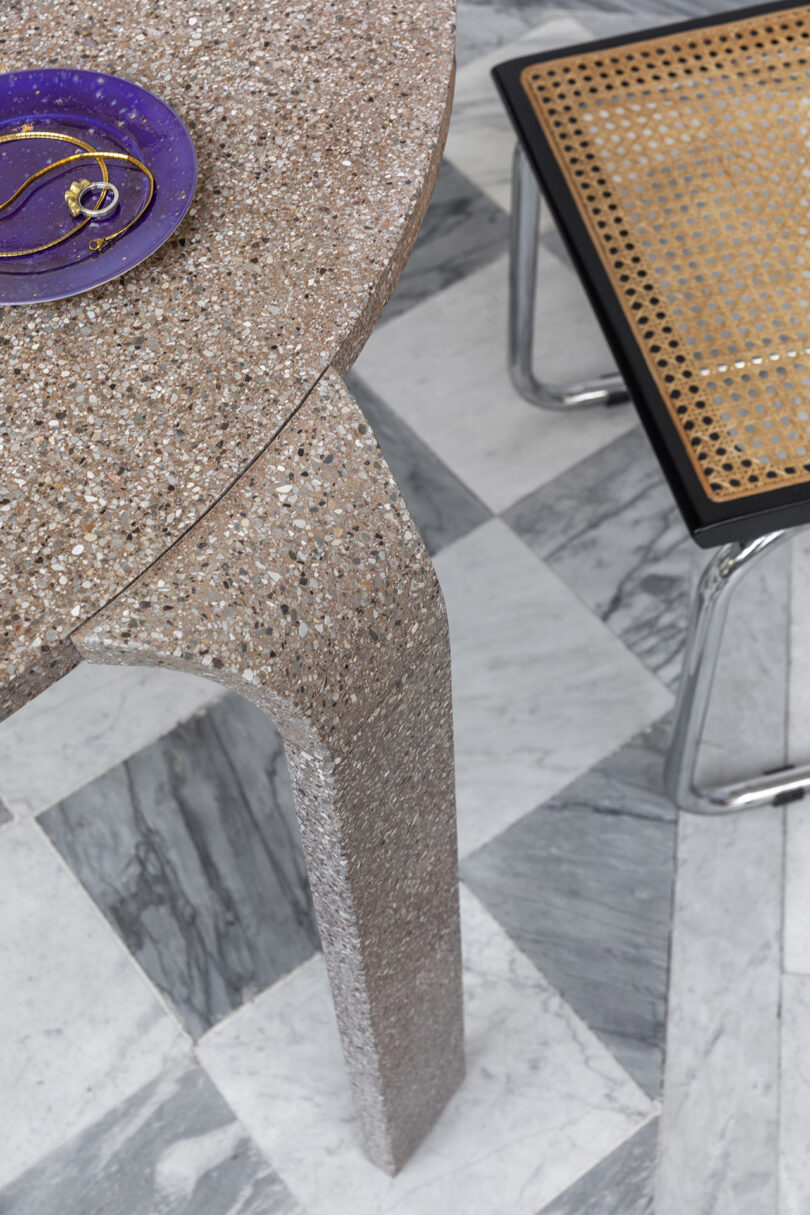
[719,1122]
[794,1145]
[443,508]
[173,1148]
[463,230]
[583,885]
[191,850]
[5,813]
[621,1185]
[609,527]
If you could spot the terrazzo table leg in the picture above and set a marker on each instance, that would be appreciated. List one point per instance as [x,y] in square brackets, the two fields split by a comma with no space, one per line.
[307,588]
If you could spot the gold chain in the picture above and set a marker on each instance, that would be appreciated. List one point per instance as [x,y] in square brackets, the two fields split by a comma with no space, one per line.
[88,153]
[63,139]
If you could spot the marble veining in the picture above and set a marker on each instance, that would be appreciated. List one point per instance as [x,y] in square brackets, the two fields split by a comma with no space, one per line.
[463,230]
[81,1029]
[583,885]
[719,1122]
[191,850]
[86,723]
[457,395]
[443,508]
[797,889]
[543,1101]
[542,690]
[481,137]
[483,27]
[621,1184]
[172,1148]
[794,1148]
[611,530]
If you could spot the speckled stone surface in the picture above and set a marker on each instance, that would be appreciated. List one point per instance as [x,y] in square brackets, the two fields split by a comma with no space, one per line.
[127,412]
[378,826]
[308,589]
[186,481]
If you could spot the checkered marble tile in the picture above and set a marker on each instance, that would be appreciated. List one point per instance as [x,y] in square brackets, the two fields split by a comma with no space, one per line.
[542,1103]
[166,1036]
[173,1148]
[191,850]
[583,884]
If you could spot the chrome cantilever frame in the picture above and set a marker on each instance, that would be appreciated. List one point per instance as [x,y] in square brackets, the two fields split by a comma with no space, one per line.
[718,580]
[604,390]
[707,618]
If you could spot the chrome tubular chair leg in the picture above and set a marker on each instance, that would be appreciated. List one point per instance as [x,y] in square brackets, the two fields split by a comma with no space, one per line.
[606,389]
[707,618]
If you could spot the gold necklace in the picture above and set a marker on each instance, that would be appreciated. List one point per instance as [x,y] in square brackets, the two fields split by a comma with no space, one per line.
[73,195]
[31,134]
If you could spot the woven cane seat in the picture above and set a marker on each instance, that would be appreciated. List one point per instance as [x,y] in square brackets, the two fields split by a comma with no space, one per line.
[678,165]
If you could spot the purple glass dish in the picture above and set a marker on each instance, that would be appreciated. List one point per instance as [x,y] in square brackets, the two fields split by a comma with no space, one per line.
[112,115]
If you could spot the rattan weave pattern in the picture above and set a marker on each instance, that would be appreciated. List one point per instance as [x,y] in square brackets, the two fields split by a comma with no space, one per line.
[688,157]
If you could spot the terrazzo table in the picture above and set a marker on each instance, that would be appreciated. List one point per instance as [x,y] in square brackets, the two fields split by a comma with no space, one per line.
[185,480]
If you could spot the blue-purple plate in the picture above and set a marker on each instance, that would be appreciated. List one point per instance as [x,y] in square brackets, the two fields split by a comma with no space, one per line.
[111,115]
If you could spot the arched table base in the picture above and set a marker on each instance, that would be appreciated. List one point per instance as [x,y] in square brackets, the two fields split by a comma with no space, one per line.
[307,588]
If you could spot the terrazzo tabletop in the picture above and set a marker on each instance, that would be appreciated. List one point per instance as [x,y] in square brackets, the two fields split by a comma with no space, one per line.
[127,412]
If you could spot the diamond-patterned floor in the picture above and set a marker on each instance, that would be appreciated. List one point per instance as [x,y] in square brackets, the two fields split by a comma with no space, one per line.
[167,1045]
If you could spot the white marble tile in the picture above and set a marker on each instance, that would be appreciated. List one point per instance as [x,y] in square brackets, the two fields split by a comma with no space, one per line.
[800,649]
[794,1146]
[797,890]
[719,1124]
[480,28]
[797,850]
[542,689]
[543,1100]
[481,136]
[80,1029]
[86,723]
[442,368]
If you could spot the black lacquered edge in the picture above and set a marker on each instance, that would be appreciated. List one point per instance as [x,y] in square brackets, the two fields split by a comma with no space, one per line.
[710,523]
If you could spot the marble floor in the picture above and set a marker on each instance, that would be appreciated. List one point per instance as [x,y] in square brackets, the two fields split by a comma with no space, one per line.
[167,1045]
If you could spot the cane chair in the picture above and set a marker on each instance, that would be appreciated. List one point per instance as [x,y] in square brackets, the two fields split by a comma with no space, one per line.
[676,166]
